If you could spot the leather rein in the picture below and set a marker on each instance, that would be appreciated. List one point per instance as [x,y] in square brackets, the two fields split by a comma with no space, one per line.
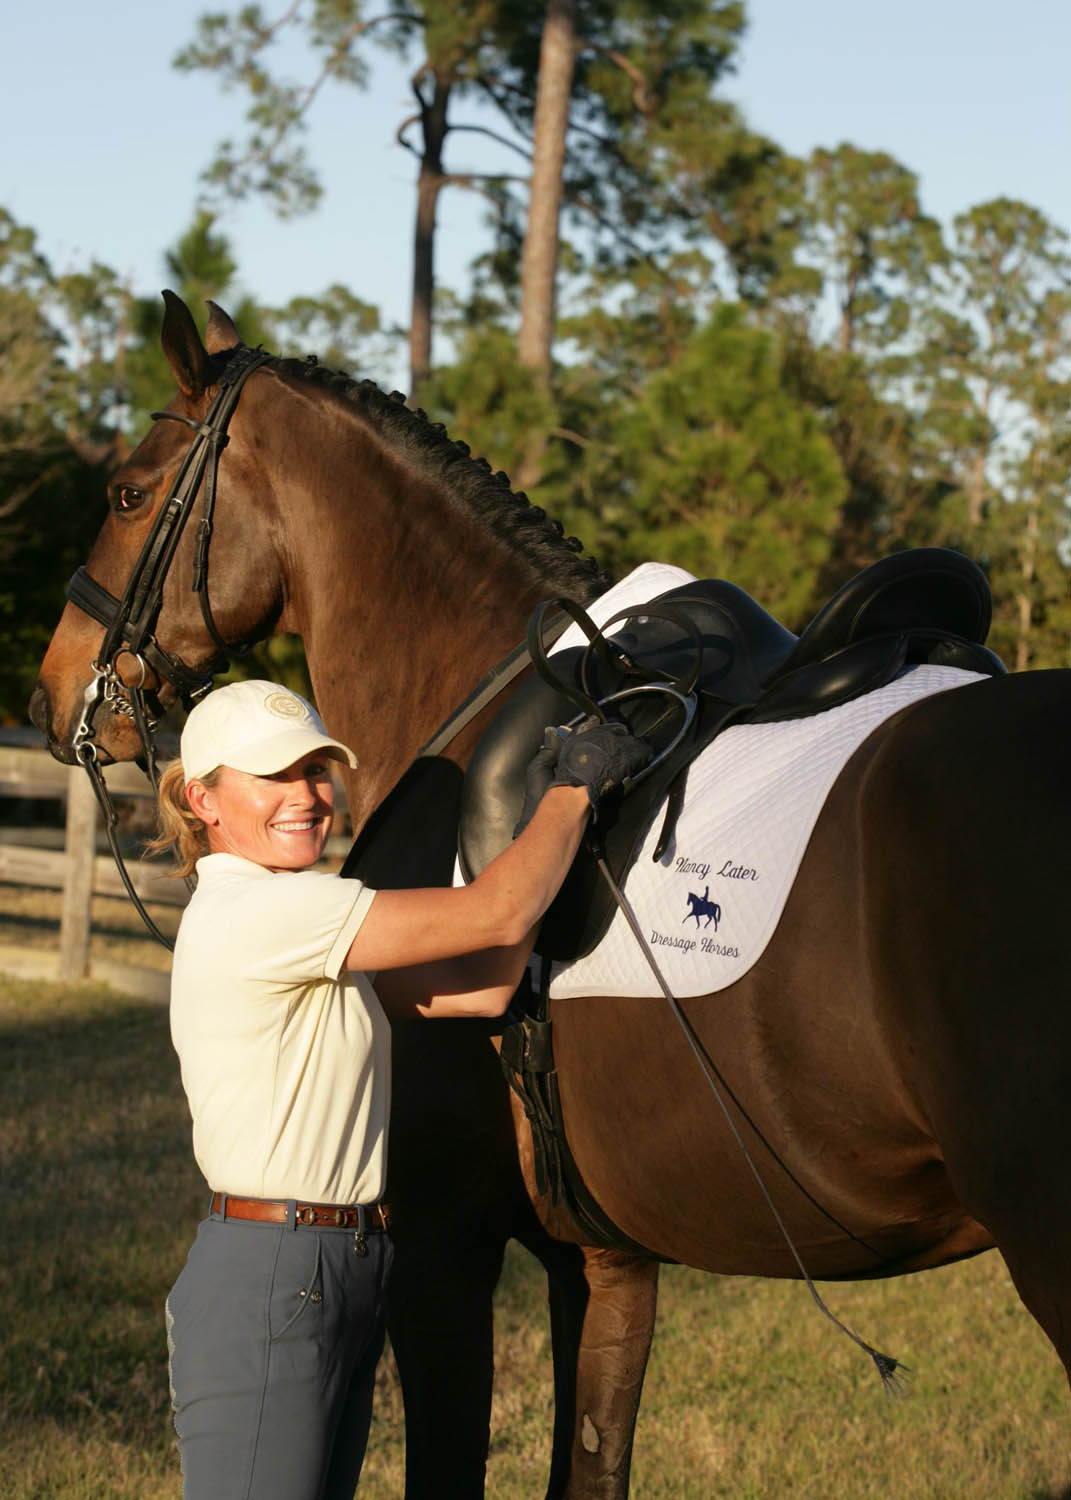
[130,621]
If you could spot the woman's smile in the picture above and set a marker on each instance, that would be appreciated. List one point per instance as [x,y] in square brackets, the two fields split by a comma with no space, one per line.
[280,821]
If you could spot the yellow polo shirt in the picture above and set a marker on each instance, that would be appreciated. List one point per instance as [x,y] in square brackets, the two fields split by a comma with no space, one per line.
[285,1057]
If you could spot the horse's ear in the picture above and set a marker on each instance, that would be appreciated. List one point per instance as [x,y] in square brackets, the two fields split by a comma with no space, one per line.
[182,345]
[221,333]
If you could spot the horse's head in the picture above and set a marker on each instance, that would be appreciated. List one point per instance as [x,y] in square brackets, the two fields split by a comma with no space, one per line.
[157,605]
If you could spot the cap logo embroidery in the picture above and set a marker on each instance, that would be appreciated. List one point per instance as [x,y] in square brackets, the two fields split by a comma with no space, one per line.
[284,706]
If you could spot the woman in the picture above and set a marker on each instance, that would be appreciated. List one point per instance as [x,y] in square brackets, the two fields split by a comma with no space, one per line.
[283,985]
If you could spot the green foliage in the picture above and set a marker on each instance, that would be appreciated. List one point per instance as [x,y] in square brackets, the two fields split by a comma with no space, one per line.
[871,240]
[488,400]
[645,72]
[992,378]
[748,196]
[51,512]
[457,45]
[28,365]
[715,466]
[52,442]
[771,369]
[269,162]
[892,499]
[629,328]
[344,332]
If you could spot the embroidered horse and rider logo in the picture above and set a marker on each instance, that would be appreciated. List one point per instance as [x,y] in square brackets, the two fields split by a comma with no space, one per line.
[702,906]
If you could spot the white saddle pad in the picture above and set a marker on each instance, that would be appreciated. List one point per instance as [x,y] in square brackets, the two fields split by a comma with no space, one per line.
[711,905]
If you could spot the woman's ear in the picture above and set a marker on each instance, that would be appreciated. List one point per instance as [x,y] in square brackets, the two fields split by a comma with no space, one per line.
[202,802]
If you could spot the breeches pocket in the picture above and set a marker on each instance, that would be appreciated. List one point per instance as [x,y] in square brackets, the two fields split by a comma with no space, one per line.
[296,1301]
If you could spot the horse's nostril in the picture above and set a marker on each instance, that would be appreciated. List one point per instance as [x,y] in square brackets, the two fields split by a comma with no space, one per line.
[38,709]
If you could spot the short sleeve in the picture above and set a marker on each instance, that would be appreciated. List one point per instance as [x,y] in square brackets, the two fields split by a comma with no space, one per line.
[298,926]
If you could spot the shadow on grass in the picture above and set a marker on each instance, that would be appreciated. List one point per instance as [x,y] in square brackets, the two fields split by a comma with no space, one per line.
[103,1198]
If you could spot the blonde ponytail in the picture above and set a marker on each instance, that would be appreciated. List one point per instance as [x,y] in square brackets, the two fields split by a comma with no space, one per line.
[179,828]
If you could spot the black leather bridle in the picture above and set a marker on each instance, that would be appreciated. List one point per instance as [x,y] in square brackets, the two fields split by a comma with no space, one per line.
[130,621]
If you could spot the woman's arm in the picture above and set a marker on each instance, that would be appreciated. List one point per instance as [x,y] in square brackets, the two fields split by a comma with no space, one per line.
[473,984]
[461,951]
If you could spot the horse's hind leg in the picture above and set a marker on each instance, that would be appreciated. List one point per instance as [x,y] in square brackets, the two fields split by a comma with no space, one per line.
[602,1311]
[1011,1173]
[615,1341]
[966,860]
[1015,1182]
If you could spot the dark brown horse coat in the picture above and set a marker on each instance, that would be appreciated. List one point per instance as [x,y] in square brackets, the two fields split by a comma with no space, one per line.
[900,1056]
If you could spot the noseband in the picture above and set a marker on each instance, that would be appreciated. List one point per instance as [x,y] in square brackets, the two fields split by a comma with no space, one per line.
[131,620]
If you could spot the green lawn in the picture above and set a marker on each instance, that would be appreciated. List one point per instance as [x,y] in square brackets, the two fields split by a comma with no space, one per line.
[751,1392]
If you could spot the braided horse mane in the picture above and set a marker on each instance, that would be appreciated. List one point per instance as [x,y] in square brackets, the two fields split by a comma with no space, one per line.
[471,482]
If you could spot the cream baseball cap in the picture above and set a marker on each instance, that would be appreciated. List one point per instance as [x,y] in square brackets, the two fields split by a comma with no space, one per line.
[254,726]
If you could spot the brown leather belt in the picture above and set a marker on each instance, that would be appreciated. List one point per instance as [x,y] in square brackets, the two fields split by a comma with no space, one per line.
[369,1218]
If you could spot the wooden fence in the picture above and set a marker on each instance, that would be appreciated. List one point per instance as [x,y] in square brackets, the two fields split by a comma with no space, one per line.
[82,868]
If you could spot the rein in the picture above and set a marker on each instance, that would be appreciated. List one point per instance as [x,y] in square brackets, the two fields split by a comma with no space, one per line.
[130,620]
[488,688]
[891,1370]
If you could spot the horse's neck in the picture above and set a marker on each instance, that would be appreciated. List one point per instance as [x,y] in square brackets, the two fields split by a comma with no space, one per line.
[399,624]
[388,690]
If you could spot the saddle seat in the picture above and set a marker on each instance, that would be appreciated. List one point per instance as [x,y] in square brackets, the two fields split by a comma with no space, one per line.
[711,643]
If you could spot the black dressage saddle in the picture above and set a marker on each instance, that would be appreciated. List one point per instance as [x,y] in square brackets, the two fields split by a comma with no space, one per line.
[682,667]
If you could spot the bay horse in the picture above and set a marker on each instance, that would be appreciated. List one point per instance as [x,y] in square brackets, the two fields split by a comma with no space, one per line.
[899,1058]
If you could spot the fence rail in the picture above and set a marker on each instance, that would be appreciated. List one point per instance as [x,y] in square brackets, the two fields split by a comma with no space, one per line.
[81,870]
[27,770]
[23,864]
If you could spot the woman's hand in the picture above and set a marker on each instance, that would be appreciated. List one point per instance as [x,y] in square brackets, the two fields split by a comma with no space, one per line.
[600,757]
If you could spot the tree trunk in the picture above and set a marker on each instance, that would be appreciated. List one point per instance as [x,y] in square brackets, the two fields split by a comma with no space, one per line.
[539,261]
[977,491]
[1025,597]
[847,316]
[429,186]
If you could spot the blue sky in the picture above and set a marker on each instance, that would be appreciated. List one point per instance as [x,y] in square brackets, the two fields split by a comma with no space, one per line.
[103,141]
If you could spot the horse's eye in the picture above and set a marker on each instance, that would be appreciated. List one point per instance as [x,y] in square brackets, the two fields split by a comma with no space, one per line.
[127,497]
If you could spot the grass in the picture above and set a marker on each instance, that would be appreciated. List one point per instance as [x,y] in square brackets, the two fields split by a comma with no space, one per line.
[751,1392]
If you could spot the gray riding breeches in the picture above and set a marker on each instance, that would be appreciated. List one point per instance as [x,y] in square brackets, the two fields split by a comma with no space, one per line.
[274,1334]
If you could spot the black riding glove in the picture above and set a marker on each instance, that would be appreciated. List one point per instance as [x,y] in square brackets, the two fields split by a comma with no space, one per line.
[599,757]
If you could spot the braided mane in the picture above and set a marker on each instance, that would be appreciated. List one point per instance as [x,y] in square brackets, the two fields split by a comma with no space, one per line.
[486,493]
